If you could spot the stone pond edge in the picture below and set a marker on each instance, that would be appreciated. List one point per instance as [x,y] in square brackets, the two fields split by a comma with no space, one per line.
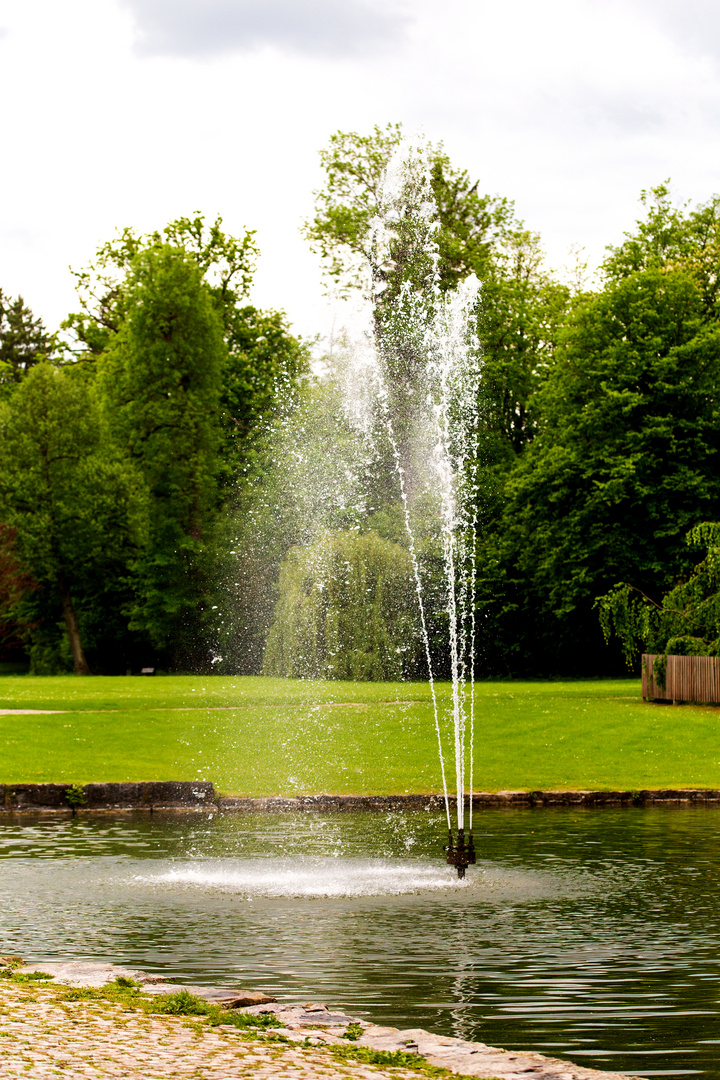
[298,1023]
[200,795]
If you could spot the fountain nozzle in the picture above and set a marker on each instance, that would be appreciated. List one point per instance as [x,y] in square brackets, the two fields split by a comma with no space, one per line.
[458,855]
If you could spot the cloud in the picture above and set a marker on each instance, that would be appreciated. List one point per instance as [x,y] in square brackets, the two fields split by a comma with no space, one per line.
[197,28]
[692,24]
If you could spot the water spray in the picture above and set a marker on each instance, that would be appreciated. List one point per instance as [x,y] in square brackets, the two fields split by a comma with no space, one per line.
[429,339]
[422,356]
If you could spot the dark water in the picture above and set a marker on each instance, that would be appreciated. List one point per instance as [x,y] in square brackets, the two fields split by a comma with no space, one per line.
[591,935]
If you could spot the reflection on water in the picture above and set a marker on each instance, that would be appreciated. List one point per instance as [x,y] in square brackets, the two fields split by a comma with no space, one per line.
[592,935]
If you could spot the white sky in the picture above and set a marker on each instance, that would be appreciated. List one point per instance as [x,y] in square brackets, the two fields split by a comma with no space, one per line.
[132,112]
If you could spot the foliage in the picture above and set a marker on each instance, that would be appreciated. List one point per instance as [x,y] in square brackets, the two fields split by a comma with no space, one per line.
[25,976]
[160,382]
[263,365]
[127,992]
[228,261]
[158,472]
[599,415]
[75,796]
[346,610]
[686,622]
[624,463]
[670,237]
[403,1059]
[521,307]
[185,377]
[340,231]
[521,313]
[24,342]
[183,1003]
[261,355]
[353,1032]
[74,510]
[309,475]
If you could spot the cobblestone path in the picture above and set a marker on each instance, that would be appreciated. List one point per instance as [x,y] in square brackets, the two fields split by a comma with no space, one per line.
[43,1036]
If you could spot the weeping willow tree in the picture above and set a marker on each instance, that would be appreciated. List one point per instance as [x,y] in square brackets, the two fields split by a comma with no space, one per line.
[346,610]
[686,622]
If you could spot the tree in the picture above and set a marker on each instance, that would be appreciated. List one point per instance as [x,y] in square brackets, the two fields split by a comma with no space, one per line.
[226,263]
[470,224]
[184,348]
[69,504]
[263,364]
[669,237]
[521,307]
[24,342]
[685,622]
[625,462]
[161,380]
[262,358]
[346,610]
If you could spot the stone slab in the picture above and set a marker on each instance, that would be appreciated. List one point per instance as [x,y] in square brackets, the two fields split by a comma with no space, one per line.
[92,974]
[319,1025]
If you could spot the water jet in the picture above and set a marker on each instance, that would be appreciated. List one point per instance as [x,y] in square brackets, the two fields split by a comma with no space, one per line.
[426,374]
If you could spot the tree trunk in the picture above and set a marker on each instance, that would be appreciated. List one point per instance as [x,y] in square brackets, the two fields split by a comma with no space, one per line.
[73,632]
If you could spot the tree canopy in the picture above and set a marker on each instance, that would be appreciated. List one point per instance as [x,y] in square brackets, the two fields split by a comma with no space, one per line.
[136,429]
[684,622]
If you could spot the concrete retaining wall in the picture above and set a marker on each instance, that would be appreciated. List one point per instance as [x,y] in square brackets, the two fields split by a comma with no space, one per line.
[201,795]
[480,800]
[148,795]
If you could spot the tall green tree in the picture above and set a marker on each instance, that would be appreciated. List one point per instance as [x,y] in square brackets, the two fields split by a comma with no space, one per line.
[213,371]
[670,236]
[626,461]
[161,382]
[70,505]
[225,262]
[521,306]
[262,357]
[470,224]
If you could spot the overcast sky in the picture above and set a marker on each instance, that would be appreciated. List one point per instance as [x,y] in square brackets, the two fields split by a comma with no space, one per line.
[132,112]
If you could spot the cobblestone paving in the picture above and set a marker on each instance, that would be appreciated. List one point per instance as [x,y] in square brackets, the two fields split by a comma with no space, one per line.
[42,1036]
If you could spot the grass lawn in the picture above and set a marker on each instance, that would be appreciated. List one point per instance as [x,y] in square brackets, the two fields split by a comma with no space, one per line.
[257,736]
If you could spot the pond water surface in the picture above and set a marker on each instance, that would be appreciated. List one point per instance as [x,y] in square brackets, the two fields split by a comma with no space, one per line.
[587,934]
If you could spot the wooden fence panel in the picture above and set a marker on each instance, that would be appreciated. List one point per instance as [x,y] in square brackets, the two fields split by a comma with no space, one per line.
[687,678]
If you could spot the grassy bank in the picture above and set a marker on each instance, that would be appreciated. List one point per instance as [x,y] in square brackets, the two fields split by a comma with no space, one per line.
[258,736]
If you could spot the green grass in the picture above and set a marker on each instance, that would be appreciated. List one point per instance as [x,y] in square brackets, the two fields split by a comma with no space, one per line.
[256,736]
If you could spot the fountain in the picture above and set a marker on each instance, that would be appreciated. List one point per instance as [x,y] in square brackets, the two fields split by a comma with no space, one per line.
[416,362]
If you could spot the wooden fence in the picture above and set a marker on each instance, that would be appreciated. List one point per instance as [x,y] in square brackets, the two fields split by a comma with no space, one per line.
[687,678]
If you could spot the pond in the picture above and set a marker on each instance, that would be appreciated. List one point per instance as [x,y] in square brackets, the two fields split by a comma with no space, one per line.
[587,934]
